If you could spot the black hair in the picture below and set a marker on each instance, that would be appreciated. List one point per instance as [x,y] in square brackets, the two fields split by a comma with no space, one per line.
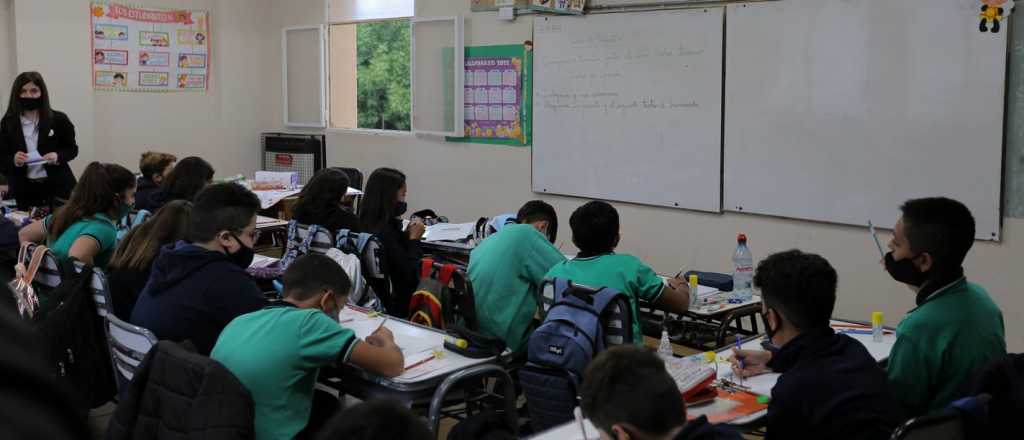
[538,210]
[323,194]
[377,208]
[222,207]
[629,384]
[188,177]
[942,227]
[595,228]
[312,274]
[376,419]
[800,286]
[14,109]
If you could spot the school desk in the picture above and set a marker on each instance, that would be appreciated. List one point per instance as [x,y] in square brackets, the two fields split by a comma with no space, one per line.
[761,384]
[433,381]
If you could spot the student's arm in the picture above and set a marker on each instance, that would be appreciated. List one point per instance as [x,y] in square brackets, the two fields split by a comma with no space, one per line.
[378,354]
[541,259]
[910,372]
[85,248]
[35,232]
[675,297]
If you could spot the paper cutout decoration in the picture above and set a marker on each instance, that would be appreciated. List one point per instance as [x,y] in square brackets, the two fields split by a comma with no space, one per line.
[993,13]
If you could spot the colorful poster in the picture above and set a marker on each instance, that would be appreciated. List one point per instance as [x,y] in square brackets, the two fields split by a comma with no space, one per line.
[497,84]
[141,49]
[558,6]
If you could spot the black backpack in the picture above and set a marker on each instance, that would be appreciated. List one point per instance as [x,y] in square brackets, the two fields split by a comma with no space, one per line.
[74,342]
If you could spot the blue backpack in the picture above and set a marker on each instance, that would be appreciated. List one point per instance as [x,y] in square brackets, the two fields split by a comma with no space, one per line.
[574,329]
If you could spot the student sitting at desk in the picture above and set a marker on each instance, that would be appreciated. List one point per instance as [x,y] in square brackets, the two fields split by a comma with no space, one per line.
[84,227]
[155,167]
[197,288]
[628,395]
[130,267]
[507,269]
[956,329]
[187,178]
[595,231]
[320,202]
[277,352]
[830,387]
[380,210]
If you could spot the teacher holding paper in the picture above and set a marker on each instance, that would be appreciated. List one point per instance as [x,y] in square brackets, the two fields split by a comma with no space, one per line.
[36,144]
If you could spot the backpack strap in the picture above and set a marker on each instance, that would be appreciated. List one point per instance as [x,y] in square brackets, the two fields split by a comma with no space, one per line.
[446,274]
[362,240]
[341,238]
[33,267]
[426,268]
[310,233]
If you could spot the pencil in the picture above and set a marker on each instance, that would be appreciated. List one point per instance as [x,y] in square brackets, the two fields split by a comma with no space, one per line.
[421,362]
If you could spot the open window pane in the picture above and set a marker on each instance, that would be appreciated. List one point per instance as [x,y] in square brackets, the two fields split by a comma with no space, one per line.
[437,76]
[370,75]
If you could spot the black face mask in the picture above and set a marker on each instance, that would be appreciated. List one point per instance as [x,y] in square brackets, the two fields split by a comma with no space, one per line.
[904,270]
[400,208]
[769,331]
[30,103]
[243,256]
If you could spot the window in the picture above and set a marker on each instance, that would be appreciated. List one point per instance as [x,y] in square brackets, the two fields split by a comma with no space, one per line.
[390,71]
[369,76]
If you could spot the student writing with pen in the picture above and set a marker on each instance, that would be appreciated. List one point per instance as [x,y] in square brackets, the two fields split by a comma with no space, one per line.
[277,352]
[830,387]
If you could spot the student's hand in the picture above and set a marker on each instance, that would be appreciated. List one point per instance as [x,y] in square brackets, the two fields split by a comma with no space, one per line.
[754,362]
[381,338]
[51,158]
[416,229]
[679,285]
[20,158]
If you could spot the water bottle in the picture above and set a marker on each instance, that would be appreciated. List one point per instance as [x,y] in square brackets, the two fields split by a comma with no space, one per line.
[665,346]
[742,271]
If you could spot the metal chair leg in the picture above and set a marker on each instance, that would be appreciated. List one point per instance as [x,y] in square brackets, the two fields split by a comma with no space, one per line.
[477,372]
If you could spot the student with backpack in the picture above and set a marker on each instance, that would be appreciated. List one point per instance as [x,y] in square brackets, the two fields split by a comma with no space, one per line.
[130,267]
[320,202]
[155,167]
[830,385]
[380,213]
[195,289]
[277,352]
[85,227]
[188,177]
[628,394]
[507,269]
[595,231]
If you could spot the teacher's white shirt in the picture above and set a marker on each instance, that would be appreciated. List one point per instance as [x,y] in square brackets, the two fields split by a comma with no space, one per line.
[31,131]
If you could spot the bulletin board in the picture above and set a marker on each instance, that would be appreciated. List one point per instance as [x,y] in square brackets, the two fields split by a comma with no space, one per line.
[497,94]
[142,49]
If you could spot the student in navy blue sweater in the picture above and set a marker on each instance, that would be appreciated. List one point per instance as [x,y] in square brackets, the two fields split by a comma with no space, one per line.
[195,289]
[831,387]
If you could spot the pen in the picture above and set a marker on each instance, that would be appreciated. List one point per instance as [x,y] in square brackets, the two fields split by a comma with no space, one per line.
[681,270]
[425,360]
[874,235]
[381,324]
[740,358]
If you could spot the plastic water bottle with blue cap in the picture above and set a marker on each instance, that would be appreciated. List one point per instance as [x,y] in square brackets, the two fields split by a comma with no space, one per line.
[742,272]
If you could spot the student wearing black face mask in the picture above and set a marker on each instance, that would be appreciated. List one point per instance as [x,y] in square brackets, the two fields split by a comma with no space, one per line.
[830,387]
[195,289]
[380,213]
[955,329]
[36,144]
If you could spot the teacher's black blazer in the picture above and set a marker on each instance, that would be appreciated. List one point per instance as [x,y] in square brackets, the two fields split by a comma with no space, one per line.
[55,136]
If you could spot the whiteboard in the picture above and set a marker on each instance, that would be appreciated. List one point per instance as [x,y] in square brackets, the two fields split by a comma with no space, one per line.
[839,111]
[628,107]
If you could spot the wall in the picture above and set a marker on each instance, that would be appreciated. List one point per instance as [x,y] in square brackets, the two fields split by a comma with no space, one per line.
[465,181]
[7,51]
[222,125]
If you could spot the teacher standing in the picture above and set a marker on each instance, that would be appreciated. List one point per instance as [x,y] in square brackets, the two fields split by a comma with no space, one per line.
[36,144]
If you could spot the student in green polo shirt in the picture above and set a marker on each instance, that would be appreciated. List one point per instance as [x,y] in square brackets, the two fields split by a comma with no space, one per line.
[277,352]
[84,227]
[506,271]
[955,329]
[595,231]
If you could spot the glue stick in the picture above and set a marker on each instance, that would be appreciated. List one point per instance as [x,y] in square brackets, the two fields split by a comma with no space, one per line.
[694,290]
[876,326]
